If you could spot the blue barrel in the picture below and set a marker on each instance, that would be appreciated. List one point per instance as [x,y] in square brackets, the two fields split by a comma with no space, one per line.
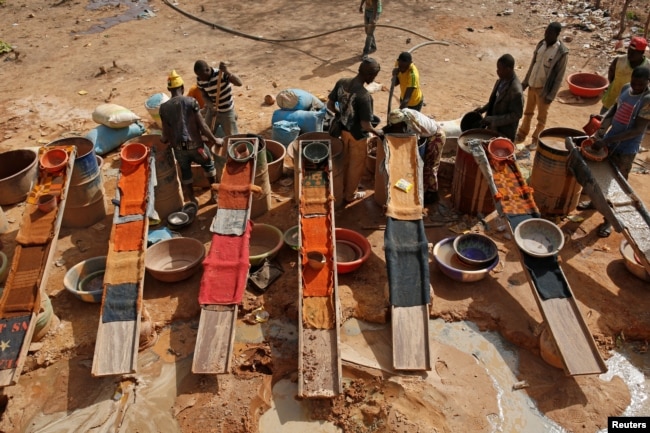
[85,164]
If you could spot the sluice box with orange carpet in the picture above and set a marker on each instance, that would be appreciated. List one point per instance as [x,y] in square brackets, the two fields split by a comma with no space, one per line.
[319,356]
[32,260]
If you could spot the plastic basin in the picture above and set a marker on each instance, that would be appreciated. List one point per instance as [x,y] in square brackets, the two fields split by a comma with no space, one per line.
[175,259]
[352,250]
[265,242]
[587,85]
[85,279]
[450,265]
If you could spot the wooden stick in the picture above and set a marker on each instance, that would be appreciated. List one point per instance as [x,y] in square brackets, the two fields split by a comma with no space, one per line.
[255,189]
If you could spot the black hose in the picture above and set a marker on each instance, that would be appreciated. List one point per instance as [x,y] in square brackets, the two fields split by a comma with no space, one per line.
[304,38]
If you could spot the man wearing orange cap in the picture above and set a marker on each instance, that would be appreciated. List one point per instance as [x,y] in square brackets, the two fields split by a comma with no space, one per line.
[621,68]
[183,127]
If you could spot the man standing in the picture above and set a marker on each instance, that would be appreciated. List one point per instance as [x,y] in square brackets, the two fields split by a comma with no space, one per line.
[355,111]
[414,122]
[182,126]
[370,18]
[621,68]
[627,121]
[506,103]
[543,81]
[216,86]
[408,78]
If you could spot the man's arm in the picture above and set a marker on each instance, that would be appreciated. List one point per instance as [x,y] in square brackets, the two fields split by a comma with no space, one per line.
[561,69]
[367,126]
[611,72]
[361,6]
[232,78]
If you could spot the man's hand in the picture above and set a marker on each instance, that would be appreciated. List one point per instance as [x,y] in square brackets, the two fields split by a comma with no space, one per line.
[598,144]
[486,121]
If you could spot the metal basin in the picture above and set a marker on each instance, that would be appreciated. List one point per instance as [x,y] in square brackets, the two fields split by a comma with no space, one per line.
[18,171]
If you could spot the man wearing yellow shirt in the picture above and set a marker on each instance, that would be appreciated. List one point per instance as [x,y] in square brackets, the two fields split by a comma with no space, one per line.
[621,68]
[408,78]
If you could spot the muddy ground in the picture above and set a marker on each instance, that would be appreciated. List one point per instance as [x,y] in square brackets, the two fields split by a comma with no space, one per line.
[69,56]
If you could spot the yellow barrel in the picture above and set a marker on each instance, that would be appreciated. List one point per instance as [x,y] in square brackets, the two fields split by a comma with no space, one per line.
[555,190]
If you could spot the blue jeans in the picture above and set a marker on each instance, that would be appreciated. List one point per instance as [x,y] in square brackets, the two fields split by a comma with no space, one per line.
[371,44]
[185,159]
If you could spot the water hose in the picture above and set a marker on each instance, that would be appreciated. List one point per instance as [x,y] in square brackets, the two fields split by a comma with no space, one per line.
[303,38]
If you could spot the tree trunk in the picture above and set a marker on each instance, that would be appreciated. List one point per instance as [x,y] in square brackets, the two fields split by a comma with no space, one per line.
[621,28]
[647,24]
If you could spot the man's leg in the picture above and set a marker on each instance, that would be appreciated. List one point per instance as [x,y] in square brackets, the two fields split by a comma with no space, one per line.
[356,153]
[370,45]
[228,122]
[542,115]
[185,162]
[207,162]
[529,110]
[432,156]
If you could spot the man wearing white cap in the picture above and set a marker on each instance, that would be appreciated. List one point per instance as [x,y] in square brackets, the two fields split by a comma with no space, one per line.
[182,127]
[621,68]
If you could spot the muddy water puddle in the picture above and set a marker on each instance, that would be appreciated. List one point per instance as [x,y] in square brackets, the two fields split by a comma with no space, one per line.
[158,376]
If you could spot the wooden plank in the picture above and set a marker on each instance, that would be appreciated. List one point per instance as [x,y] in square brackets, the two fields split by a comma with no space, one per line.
[572,337]
[575,344]
[116,350]
[319,364]
[215,339]
[410,331]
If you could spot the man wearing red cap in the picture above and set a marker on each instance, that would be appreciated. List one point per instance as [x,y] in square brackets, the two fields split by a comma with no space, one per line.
[621,68]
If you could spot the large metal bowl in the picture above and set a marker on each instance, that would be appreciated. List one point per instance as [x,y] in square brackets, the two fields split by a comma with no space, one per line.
[175,259]
[451,266]
[539,238]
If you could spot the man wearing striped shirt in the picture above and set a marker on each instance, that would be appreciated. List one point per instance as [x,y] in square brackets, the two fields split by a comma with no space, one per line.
[216,86]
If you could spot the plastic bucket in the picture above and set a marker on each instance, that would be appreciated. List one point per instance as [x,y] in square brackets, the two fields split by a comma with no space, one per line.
[18,173]
[168,195]
[501,149]
[469,189]
[278,152]
[336,152]
[85,163]
[555,190]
